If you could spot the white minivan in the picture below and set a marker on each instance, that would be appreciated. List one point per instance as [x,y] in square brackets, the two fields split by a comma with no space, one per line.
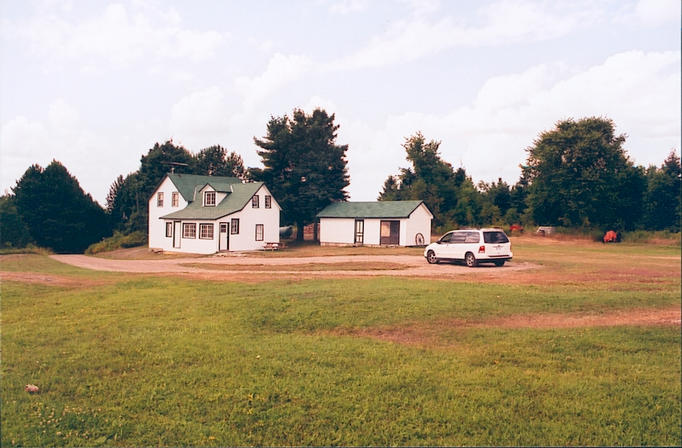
[473,246]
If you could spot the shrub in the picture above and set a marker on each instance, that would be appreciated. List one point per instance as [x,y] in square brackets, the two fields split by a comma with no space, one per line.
[118,241]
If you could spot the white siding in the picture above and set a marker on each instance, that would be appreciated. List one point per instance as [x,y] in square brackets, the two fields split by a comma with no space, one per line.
[337,230]
[249,217]
[419,222]
[372,231]
[197,245]
[157,227]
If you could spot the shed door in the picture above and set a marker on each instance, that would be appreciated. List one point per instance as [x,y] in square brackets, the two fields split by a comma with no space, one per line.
[359,231]
[390,232]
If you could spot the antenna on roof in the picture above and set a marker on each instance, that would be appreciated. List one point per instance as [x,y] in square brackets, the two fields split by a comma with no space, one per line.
[173,165]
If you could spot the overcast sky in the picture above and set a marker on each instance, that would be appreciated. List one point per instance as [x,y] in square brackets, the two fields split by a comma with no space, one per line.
[95,84]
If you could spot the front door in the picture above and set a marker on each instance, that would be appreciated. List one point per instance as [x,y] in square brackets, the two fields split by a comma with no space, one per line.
[390,233]
[223,238]
[177,234]
[359,231]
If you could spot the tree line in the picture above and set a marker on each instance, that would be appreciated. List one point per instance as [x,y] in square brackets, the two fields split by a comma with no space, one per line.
[576,175]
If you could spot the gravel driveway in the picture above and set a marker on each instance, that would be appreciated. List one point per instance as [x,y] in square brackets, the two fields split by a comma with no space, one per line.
[413,266]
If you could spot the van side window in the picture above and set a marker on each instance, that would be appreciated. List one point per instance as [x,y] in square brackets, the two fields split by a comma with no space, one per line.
[446,238]
[459,237]
[472,237]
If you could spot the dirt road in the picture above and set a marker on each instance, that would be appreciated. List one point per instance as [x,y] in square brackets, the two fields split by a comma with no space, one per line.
[400,265]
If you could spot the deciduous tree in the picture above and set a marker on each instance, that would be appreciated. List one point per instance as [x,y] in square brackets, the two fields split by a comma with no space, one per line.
[580,176]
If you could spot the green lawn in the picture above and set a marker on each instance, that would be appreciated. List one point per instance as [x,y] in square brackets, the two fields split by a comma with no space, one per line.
[171,361]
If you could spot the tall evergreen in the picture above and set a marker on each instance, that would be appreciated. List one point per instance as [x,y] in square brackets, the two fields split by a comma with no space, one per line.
[57,212]
[449,194]
[303,166]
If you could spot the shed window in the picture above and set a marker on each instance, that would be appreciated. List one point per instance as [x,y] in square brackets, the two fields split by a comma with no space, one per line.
[206,231]
[189,230]
[259,232]
[159,199]
[169,229]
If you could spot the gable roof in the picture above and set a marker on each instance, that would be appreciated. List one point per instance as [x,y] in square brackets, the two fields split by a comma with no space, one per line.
[238,195]
[188,183]
[374,209]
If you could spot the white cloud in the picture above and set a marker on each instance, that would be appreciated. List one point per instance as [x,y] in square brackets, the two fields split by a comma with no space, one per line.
[281,70]
[639,91]
[118,34]
[62,136]
[347,6]
[654,12]
[502,23]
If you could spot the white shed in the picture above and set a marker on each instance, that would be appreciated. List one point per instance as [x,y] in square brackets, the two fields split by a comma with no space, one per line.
[379,223]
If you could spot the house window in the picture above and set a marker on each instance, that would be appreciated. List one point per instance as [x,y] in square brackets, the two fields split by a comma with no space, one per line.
[189,230]
[159,199]
[206,231]
[259,232]
[268,201]
[174,199]
[234,226]
[209,199]
[169,229]
[254,201]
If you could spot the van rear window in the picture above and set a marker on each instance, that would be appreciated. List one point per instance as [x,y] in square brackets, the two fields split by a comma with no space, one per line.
[495,237]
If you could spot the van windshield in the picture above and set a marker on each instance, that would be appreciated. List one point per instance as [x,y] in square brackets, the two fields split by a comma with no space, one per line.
[495,237]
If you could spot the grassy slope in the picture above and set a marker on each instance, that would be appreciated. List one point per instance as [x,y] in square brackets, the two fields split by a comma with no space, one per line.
[181,362]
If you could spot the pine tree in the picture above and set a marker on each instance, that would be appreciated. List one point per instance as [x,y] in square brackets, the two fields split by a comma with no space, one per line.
[57,213]
[303,166]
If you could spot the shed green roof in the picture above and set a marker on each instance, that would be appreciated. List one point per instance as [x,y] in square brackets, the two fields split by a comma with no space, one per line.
[236,199]
[374,209]
[188,183]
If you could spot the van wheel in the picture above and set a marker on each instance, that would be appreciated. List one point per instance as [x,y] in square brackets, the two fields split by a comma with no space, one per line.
[431,257]
[470,260]
[499,263]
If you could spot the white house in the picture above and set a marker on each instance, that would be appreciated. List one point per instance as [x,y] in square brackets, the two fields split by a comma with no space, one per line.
[404,223]
[209,214]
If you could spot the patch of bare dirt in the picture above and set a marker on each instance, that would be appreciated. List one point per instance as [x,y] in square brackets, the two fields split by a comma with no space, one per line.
[429,333]
[49,279]
[142,253]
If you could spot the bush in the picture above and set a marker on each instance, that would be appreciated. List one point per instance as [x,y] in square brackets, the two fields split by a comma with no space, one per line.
[118,241]
[29,249]
[653,237]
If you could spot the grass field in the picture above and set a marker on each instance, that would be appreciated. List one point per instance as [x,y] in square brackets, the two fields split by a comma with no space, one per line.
[154,360]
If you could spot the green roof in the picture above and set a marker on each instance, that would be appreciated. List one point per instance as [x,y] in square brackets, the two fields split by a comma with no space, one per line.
[375,209]
[235,200]
[188,183]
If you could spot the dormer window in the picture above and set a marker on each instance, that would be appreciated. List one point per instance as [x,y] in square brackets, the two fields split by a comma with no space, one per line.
[209,199]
